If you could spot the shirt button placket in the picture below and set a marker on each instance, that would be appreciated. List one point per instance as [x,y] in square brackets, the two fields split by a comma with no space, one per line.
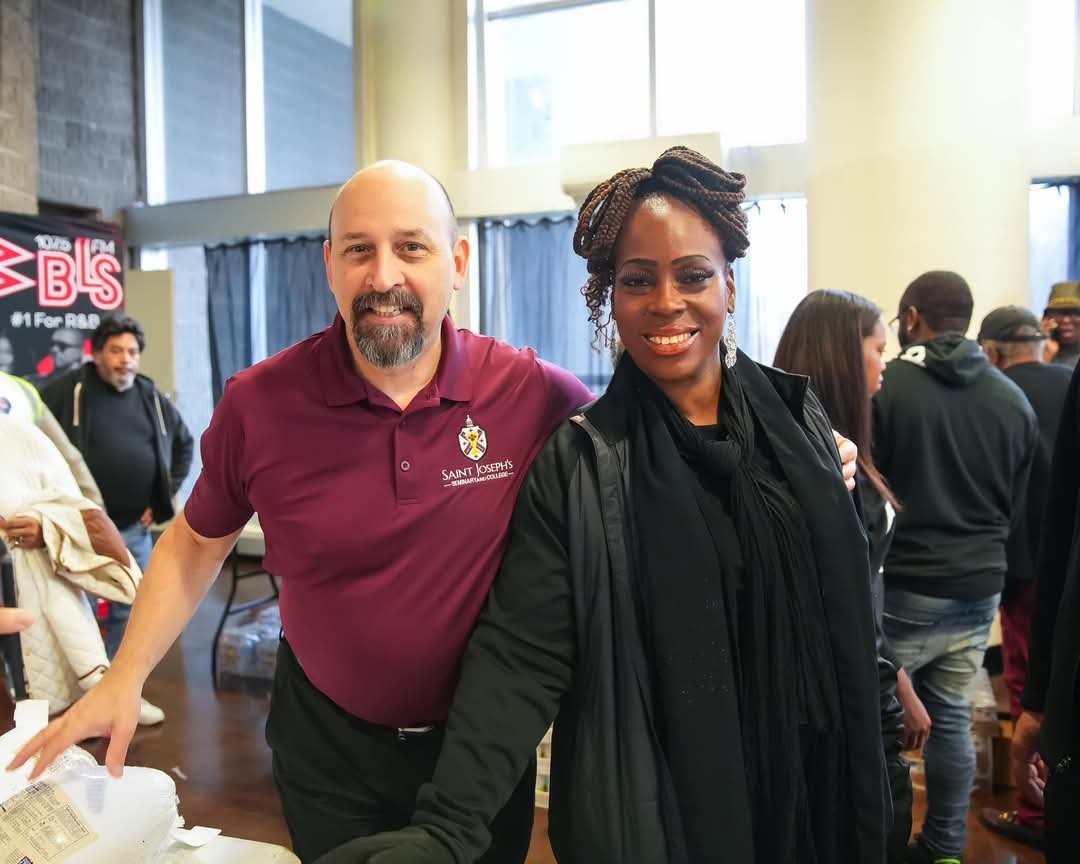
[404,474]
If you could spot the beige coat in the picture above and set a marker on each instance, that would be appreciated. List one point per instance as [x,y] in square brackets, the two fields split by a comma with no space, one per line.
[63,653]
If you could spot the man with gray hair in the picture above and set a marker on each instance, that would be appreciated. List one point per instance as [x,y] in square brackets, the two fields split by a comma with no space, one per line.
[1012,339]
[133,439]
[383,456]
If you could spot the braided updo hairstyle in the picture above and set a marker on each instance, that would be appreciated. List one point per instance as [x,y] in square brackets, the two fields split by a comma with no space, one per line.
[680,173]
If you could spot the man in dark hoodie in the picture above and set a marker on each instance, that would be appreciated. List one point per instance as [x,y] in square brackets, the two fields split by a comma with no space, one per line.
[1012,339]
[132,437]
[955,439]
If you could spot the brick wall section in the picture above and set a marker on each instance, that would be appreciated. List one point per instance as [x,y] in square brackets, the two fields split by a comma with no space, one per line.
[18,107]
[86,117]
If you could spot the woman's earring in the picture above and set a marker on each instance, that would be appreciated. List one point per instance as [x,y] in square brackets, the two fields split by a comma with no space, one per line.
[730,345]
[614,344]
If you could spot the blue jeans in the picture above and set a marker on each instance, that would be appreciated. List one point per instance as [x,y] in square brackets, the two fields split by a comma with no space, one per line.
[941,643]
[137,539]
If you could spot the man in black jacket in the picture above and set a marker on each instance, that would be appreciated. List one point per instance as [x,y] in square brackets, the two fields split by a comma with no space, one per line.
[1050,723]
[132,437]
[1013,341]
[955,439]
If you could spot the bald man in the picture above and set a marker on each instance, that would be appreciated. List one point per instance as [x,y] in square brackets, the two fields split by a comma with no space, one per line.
[383,456]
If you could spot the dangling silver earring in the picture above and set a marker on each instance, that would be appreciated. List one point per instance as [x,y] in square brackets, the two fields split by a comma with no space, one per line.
[615,349]
[730,345]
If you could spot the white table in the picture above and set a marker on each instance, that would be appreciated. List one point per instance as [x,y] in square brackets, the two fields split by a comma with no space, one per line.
[230,850]
[243,562]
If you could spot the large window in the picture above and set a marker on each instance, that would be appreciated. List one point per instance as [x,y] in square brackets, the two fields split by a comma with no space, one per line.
[198,100]
[308,94]
[558,72]
[1048,239]
[595,87]
[246,95]
[773,277]
[734,67]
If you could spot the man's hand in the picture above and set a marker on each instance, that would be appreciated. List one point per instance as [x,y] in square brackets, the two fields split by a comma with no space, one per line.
[23,532]
[917,721]
[15,620]
[110,709]
[147,518]
[1050,346]
[1028,769]
[849,458]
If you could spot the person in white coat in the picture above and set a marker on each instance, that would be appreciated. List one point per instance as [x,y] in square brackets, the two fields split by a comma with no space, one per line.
[63,546]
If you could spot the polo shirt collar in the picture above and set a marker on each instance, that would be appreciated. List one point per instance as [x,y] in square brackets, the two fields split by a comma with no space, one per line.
[343,385]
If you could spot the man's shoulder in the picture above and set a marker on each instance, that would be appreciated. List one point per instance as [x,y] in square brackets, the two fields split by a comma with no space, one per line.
[487,351]
[490,357]
[145,383]
[288,367]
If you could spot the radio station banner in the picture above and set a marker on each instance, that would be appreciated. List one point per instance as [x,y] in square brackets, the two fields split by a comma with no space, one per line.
[58,278]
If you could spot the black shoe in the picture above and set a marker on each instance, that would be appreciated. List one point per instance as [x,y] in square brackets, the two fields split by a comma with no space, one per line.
[1008,824]
[919,854]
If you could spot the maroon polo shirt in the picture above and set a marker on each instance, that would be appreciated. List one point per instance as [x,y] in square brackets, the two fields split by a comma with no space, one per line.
[385,527]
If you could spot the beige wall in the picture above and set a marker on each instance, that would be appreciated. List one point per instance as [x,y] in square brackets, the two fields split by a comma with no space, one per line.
[411,51]
[917,156]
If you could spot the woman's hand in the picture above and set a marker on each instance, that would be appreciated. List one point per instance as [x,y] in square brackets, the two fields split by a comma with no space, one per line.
[917,721]
[15,620]
[23,532]
[1028,769]
[849,458]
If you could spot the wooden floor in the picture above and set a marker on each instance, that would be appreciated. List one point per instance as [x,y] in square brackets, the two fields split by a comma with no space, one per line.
[215,741]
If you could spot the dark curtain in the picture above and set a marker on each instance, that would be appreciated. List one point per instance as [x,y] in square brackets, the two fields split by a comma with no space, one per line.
[530,290]
[298,299]
[228,283]
[1074,231]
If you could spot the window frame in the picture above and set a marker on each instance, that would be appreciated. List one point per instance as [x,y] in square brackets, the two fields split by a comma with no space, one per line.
[253,99]
[479,18]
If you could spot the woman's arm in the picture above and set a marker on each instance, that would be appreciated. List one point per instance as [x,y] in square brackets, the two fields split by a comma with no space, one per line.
[517,667]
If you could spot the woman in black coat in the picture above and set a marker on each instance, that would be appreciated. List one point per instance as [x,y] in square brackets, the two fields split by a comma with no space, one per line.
[685,586]
[837,340]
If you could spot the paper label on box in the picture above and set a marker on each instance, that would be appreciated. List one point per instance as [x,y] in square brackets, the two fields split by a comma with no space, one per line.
[41,824]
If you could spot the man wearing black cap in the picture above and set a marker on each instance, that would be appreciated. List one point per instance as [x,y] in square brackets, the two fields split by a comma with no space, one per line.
[1012,339]
[955,438]
[1062,321]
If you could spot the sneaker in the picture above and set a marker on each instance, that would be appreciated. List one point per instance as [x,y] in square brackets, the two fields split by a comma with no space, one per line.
[1007,822]
[917,853]
[149,714]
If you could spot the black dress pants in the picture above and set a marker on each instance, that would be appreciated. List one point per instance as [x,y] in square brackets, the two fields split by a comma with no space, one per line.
[1063,812]
[341,777]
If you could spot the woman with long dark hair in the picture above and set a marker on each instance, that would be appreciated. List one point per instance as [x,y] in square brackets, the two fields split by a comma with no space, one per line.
[837,339]
[685,585]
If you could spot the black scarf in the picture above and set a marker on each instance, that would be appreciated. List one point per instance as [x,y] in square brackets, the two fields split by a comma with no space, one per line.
[739,641]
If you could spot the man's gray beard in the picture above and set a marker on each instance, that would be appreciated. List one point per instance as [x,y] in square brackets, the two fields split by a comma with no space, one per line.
[388,346]
[123,384]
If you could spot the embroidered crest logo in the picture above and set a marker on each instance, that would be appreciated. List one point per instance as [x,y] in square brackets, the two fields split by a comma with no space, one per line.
[472,440]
